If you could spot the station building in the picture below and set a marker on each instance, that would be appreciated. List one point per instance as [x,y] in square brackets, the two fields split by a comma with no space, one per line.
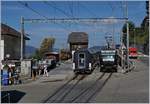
[10,43]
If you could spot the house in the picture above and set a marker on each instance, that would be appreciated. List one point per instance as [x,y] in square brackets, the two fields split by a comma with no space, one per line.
[77,40]
[10,43]
[52,55]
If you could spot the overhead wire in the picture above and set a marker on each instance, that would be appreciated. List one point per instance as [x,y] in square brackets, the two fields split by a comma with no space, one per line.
[71,10]
[88,10]
[133,15]
[91,13]
[27,6]
[33,10]
[122,8]
[113,27]
[60,10]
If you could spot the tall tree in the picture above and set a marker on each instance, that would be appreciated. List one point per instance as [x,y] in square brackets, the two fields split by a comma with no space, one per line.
[140,34]
[131,27]
[131,32]
[145,22]
[47,45]
[145,27]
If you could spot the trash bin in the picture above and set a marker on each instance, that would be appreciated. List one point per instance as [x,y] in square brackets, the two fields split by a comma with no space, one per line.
[5,77]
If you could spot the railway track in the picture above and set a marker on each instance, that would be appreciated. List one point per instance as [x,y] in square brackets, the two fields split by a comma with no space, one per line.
[90,92]
[64,89]
[70,93]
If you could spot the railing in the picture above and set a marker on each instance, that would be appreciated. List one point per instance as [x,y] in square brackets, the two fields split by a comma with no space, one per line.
[123,62]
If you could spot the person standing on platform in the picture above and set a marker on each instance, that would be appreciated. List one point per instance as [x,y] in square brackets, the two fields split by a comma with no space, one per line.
[45,70]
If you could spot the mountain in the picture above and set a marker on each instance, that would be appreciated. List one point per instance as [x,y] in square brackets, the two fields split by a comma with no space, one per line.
[29,50]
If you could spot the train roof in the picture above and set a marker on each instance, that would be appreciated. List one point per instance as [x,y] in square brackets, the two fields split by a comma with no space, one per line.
[82,50]
[96,49]
[92,50]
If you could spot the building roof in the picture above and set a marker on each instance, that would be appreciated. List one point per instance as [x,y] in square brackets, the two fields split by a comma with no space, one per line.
[7,30]
[78,37]
[48,53]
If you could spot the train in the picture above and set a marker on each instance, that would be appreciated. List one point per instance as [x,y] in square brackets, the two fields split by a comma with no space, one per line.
[82,61]
[108,60]
[86,60]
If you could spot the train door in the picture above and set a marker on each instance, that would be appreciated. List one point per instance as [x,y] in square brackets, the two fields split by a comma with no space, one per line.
[81,60]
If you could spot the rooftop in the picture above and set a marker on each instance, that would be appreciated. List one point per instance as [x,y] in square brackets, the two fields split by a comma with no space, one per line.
[78,37]
[7,30]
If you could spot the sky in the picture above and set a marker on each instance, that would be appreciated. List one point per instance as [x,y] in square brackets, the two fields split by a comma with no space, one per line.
[11,12]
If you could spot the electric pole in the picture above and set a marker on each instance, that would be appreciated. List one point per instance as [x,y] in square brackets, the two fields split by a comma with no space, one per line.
[113,37]
[22,38]
[134,38]
[127,44]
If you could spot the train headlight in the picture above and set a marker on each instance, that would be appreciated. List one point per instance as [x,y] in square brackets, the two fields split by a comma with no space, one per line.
[90,66]
[73,66]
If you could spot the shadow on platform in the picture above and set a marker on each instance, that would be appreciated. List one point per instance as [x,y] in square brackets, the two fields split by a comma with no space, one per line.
[12,96]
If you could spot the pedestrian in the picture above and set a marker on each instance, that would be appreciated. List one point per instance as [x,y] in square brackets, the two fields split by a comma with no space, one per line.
[45,70]
[34,73]
[11,74]
[34,70]
[40,69]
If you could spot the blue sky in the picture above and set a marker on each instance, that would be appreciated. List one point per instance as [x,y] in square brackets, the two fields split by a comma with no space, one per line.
[11,12]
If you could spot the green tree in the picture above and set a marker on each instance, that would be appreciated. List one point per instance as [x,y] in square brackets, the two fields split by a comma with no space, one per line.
[139,34]
[37,55]
[46,45]
[131,32]
[131,27]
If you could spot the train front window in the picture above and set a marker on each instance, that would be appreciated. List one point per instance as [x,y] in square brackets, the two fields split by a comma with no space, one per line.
[81,60]
[81,55]
[108,57]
